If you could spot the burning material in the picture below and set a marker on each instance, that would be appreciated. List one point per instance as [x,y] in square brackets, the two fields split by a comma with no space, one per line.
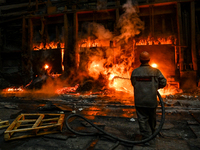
[102,53]
[46,66]
[13,89]
[51,46]
[66,90]
[155,41]
[102,50]
[46,46]
[170,91]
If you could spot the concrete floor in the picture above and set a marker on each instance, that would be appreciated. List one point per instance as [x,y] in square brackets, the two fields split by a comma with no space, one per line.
[181,130]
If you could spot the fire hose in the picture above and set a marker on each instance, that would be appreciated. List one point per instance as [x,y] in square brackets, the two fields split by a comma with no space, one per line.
[119,140]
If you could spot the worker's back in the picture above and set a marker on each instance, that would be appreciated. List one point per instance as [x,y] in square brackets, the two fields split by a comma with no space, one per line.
[146,80]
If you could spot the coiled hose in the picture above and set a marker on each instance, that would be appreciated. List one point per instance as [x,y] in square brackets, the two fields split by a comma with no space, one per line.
[117,138]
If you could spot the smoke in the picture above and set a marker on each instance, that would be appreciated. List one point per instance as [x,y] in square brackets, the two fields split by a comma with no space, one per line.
[129,22]
[100,32]
[95,31]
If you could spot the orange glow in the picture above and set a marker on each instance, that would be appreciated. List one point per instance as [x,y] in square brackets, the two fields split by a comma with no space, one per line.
[11,90]
[46,66]
[154,65]
[170,91]
[94,43]
[66,90]
[62,57]
[51,45]
[158,41]
[116,77]
[102,111]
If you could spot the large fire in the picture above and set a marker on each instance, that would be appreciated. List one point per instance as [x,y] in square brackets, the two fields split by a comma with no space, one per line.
[117,78]
[106,53]
[114,75]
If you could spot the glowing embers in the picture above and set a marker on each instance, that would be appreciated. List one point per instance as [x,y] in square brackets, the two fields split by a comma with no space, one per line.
[111,111]
[155,41]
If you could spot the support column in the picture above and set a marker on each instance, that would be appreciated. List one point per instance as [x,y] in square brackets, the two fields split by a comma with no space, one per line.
[1,44]
[66,53]
[30,33]
[163,25]
[116,22]
[117,11]
[180,37]
[152,10]
[76,40]
[193,40]
[151,19]
[23,34]
[36,5]
[30,47]
[23,44]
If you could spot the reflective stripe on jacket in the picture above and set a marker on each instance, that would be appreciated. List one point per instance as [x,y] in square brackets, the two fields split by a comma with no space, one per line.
[146,80]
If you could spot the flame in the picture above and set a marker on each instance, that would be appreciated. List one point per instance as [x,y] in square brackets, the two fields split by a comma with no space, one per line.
[13,89]
[115,76]
[51,45]
[46,66]
[94,43]
[170,91]
[158,41]
[62,57]
[154,65]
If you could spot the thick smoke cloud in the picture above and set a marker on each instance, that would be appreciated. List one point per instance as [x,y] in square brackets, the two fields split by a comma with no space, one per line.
[100,32]
[129,22]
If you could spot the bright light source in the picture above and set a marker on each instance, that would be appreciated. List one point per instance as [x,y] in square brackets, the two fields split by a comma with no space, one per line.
[154,65]
[112,76]
[46,66]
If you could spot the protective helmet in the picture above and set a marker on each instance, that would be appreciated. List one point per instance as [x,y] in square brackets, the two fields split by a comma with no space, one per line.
[144,56]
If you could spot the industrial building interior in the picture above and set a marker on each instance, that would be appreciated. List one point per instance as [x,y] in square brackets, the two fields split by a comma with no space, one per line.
[76,57]
[69,35]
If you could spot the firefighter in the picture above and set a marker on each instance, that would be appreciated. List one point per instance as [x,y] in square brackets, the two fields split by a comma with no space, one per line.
[146,80]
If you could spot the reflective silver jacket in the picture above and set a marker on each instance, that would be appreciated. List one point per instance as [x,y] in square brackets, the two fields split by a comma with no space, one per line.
[146,80]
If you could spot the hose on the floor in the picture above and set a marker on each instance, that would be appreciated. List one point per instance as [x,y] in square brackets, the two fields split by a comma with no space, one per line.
[115,137]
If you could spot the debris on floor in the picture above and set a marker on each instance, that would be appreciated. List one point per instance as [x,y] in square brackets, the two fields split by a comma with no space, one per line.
[4,124]
[29,125]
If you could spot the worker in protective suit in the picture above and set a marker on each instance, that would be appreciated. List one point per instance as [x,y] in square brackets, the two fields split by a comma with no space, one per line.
[146,80]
